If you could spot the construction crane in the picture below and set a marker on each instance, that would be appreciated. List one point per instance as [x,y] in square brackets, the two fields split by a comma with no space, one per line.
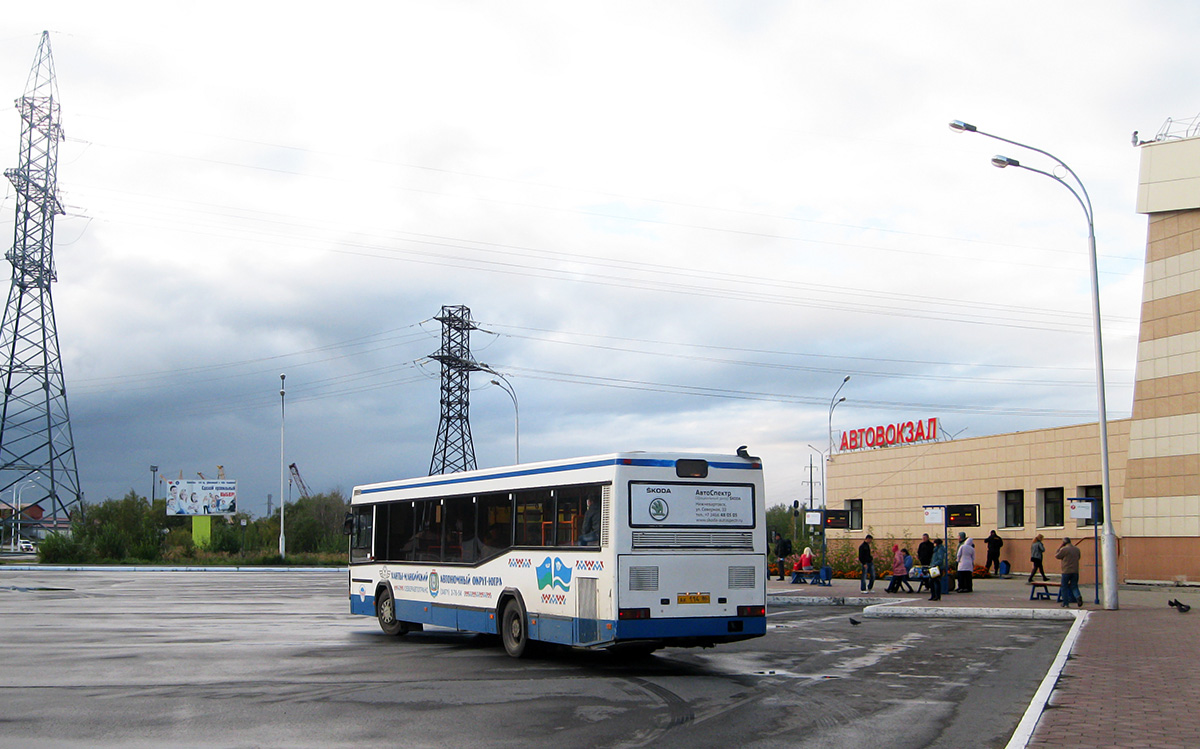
[304,493]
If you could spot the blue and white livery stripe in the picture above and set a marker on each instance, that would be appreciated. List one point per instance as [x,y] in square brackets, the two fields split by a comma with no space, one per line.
[450,480]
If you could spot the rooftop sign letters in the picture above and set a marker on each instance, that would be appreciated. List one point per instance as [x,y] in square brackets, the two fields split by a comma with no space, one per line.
[902,433]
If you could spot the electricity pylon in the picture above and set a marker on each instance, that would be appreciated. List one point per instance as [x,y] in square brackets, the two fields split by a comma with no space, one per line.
[453,451]
[37,452]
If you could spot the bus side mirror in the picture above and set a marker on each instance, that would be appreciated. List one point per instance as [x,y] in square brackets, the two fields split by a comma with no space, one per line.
[348,524]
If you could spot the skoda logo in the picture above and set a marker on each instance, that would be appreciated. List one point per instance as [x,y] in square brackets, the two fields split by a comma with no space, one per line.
[659,509]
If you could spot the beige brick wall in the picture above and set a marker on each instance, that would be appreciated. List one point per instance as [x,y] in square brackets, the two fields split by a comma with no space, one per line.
[1163,483]
[895,483]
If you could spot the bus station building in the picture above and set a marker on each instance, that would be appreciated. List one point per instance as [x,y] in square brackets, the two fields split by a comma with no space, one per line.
[1023,482]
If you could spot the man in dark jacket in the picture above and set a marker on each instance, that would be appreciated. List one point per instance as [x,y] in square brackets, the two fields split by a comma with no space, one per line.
[783,549]
[867,561]
[994,543]
[925,551]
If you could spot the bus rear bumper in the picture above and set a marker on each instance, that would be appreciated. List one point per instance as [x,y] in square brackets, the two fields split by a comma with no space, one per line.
[708,628]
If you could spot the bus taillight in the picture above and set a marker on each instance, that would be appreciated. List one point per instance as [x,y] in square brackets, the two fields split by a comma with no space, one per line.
[751,610]
[627,614]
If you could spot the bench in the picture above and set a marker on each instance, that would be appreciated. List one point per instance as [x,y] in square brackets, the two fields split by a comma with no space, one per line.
[822,576]
[1039,590]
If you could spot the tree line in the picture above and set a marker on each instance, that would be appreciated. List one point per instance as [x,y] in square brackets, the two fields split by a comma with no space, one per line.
[134,529]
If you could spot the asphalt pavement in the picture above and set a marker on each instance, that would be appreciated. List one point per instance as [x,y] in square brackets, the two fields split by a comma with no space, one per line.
[272,658]
[1127,678]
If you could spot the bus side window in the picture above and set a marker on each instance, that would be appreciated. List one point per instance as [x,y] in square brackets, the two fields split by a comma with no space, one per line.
[460,530]
[495,524]
[569,515]
[360,535]
[534,525]
[381,531]
[399,527]
[428,531]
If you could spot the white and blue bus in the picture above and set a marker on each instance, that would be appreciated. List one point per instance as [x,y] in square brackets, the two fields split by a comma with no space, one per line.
[630,551]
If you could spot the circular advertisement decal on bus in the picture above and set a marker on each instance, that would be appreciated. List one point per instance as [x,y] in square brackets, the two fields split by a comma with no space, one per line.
[434,583]
[658,509]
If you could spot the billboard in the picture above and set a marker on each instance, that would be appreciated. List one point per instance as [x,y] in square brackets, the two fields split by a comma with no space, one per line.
[201,497]
[700,505]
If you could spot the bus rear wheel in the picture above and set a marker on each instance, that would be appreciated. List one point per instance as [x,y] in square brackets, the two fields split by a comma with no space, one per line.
[513,630]
[385,610]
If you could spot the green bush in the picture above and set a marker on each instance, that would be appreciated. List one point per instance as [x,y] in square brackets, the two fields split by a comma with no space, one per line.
[61,548]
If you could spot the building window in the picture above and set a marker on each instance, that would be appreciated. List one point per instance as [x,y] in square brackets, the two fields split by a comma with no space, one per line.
[855,508]
[1096,493]
[1050,508]
[1011,509]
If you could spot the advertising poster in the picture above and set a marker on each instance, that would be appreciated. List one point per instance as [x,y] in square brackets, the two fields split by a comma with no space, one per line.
[730,506]
[201,497]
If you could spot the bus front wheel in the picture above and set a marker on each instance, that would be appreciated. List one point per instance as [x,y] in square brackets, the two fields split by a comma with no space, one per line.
[385,610]
[513,630]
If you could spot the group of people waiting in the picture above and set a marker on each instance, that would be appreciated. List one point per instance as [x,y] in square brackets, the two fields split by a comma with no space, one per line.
[932,556]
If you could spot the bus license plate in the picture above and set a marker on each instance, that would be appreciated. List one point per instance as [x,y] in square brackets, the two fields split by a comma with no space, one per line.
[693,598]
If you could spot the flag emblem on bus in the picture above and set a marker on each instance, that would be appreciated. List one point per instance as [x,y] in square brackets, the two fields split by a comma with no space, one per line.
[552,573]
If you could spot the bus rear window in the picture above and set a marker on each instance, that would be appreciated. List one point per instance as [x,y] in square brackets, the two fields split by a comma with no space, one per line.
[690,468]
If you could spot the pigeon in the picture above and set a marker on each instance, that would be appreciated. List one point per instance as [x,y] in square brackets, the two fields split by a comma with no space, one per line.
[854,621]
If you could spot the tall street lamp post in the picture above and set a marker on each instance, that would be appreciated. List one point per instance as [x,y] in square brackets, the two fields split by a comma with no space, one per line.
[153,483]
[20,505]
[833,403]
[507,387]
[1108,538]
[282,467]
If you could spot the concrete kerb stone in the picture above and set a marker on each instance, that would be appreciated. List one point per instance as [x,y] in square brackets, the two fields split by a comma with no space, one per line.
[824,600]
[897,609]
[1024,731]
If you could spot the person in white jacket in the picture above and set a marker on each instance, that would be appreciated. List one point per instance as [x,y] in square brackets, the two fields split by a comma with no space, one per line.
[966,562]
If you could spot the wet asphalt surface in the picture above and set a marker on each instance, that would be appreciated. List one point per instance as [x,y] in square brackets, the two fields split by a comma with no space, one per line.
[273,659]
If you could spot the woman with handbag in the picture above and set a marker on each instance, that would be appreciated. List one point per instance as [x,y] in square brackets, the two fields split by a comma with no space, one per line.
[937,568]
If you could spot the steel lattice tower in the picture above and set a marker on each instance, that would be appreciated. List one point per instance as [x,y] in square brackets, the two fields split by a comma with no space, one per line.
[454,450]
[36,447]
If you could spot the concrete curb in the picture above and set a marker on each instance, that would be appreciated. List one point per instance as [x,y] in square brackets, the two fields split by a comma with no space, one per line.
[135,568]
[896,609]
[1024,731]
[824,600]
[1163,583]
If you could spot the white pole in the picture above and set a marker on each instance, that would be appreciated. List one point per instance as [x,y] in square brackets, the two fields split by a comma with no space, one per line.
[1109,539]
[282,468]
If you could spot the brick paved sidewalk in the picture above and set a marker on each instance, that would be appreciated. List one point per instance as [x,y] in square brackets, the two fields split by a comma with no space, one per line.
[1133,680]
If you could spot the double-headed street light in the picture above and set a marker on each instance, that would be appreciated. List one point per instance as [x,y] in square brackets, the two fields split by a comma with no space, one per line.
[833,403]
[1108,538]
